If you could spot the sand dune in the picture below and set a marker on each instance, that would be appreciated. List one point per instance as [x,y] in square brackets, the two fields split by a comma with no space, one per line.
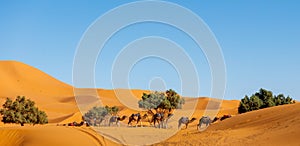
[57,99]
[272,126]
[47,92]
[50,136]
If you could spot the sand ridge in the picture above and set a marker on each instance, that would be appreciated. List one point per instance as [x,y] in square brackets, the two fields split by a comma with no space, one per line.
[272,126]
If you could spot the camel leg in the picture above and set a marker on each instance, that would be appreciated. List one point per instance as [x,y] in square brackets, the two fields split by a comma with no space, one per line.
[137,122]
[129,122]
[157,124]
[166,127]
[163,125]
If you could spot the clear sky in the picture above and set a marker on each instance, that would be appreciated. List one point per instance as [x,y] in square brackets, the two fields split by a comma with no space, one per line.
[260,41]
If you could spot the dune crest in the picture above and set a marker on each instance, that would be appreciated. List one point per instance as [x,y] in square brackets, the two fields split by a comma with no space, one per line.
[19,79]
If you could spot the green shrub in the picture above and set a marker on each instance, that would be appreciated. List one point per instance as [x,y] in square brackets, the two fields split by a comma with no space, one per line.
[168,100]
[22,111]
[262,99]
[99,112]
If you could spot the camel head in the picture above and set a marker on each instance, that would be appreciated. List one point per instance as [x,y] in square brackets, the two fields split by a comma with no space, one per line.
[145,115]
[192,120]
[215,119]
[150,112]
[123,118]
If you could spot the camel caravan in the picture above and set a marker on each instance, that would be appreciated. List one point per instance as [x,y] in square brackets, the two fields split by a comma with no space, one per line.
[158,119]
[158,108]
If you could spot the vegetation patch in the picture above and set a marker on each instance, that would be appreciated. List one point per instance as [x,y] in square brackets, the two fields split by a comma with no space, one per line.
[22,111]
[263,99]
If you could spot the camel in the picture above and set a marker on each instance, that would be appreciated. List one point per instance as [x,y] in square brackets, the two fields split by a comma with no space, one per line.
[134,117]
[147,117]
[186,121]
[225,117]
[92,122]
[104,120]
[215,119]
[99,121]
[74,124]
[204,120]
[116,120]
[162,118]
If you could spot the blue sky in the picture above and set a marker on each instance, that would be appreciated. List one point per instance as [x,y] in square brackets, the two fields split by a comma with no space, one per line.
[260,41]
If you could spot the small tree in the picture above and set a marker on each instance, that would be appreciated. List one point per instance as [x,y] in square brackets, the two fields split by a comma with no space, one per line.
[112,110]
[279,99]
[99,112]
[168,100]
[175,100]
[265,96]
[152,100]
[255,103]
[244,105]
[22,111]
[96,112]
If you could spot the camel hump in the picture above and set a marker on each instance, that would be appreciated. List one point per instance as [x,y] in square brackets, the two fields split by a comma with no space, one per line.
[205,117]
[184,119]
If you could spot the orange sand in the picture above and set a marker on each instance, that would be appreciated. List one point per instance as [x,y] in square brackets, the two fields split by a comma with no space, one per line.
[272,126]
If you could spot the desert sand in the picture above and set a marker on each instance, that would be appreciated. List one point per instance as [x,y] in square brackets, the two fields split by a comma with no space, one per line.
[273,126]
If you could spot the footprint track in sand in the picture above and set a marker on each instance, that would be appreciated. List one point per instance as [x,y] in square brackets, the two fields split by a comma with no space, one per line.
[96,138]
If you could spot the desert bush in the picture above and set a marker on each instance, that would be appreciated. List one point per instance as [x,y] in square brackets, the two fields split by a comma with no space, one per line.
[168,100]
[99,112]
[112,110]
[262,99]
[22,111]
